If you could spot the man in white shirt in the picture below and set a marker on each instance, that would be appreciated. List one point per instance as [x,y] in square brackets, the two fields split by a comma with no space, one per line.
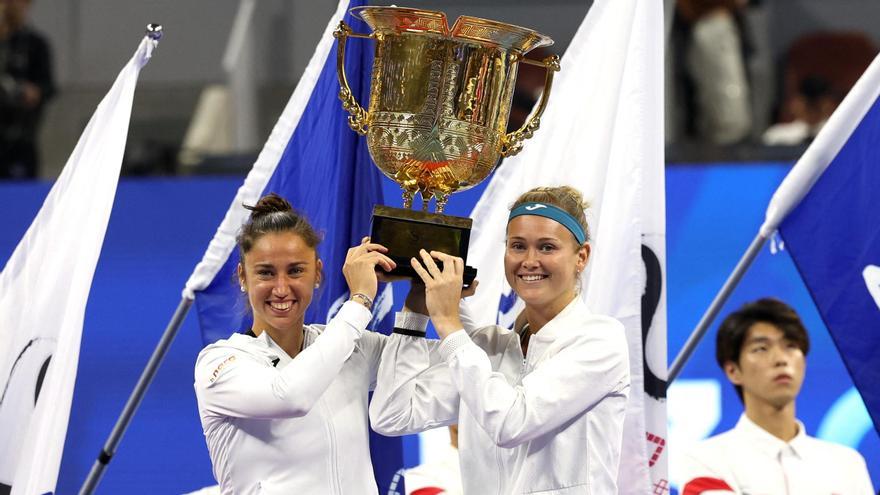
[761,348]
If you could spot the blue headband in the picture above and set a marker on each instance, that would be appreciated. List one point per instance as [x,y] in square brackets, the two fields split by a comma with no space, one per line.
[553,213]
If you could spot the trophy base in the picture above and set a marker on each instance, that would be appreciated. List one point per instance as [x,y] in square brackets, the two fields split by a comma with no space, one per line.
[405,232]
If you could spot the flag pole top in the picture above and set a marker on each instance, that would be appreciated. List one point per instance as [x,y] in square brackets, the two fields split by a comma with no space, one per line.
[154,31]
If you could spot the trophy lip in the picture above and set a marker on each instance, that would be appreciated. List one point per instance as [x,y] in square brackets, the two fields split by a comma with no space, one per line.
[357,13]
[542,39]
[452,33]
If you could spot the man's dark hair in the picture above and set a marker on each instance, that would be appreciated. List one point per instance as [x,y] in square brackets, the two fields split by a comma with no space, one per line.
[733,330]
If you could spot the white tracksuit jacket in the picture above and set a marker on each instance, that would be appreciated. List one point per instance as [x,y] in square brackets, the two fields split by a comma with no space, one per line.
[748,460]
[291,426]
[551,423]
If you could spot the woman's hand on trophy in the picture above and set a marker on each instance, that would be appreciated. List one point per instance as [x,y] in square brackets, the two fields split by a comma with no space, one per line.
[415,298]
[360,267]
[442,289]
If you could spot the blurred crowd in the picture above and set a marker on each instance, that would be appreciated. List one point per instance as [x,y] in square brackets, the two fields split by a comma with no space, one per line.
[25,86]
[727,86]
[732,89]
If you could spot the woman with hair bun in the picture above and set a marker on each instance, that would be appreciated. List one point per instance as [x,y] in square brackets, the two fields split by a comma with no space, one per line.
[539,407]
[284,405]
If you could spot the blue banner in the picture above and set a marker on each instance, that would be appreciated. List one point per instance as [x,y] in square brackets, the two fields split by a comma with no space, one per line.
[326,173]
[833,236]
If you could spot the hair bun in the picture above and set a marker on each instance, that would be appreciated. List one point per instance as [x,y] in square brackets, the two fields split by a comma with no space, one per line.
[268,204]
[273,214]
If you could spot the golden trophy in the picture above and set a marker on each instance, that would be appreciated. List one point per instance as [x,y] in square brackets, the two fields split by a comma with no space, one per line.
[437,118]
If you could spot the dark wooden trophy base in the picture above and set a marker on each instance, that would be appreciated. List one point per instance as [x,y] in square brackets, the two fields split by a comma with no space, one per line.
[404,232]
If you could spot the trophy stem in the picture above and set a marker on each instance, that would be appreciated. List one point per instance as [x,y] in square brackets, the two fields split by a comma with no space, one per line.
[425,201]
[407,200]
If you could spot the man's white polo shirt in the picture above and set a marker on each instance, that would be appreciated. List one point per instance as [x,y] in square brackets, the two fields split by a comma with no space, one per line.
[750,461]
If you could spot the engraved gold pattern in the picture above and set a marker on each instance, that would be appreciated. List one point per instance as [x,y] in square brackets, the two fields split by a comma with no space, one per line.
[440,98]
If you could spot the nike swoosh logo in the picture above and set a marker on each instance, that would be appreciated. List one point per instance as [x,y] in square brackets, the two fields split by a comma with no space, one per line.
[871,274]
[535,207]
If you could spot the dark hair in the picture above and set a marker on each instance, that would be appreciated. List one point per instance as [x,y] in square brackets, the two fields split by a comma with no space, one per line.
[567,198]
[733,330]
[272,213]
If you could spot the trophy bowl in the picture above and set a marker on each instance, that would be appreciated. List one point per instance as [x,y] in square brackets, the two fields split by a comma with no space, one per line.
[439,104]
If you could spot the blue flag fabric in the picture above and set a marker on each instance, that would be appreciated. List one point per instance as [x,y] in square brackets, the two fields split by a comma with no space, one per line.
[833,236]
[326,173]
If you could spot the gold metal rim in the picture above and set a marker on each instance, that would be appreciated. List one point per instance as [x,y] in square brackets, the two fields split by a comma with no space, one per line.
[539,39]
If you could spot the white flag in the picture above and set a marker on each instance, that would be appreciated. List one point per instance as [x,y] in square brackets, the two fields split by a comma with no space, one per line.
[602,133]
[43,292]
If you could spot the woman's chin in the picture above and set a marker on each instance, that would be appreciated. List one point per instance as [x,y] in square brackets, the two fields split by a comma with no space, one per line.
[533,296]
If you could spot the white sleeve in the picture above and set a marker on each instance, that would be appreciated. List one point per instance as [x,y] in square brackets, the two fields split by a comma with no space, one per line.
[371,344]
[860,476]
[466,316]
[237,385]
[570,382]
[414,391]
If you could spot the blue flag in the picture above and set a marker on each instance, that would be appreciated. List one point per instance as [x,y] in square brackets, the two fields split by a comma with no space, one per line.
[315,161]
[834,239]
[325,172]
[833,232]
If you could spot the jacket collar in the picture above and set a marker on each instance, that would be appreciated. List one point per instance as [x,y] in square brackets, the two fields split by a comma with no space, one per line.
[772,446]
[262,346]
[576,310]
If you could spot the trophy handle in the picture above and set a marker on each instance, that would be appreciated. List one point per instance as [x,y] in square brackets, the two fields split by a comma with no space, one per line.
[513,141]
[358,117]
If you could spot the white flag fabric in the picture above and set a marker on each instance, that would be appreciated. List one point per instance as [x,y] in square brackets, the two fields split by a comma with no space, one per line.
[602,133]
[43,292]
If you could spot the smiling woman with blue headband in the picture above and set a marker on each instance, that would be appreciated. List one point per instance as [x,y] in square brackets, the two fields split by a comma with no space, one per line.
[540,407]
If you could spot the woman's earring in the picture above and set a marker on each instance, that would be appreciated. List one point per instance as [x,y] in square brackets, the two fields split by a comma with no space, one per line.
[243,289]
[317,285]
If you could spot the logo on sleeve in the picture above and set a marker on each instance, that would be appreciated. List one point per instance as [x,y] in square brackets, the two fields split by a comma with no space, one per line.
[216,373]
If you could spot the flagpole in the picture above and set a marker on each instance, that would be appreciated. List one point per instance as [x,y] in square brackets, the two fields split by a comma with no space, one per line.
[709,316]
[153,31]
[136,397]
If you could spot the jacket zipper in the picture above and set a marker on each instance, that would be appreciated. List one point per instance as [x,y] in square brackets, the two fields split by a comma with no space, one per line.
[522,374]
[334,464]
